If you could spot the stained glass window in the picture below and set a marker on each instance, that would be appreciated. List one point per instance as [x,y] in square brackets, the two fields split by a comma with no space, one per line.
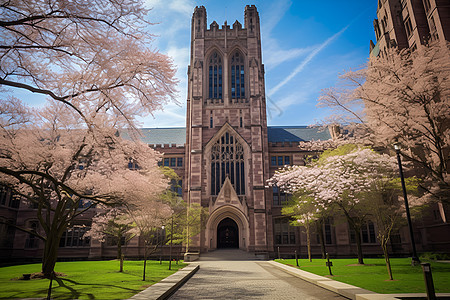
[227,160]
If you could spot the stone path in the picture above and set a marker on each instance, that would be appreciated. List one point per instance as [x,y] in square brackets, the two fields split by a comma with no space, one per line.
[235,274]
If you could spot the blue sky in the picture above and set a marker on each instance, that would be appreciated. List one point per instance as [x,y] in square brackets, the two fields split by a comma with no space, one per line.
[306,45]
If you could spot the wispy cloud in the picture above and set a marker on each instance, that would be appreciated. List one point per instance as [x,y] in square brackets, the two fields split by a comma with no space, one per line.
[275,55]
[275,13]
[310,57]
[182,6]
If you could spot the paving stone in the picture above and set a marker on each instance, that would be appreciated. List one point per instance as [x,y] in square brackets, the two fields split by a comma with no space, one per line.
[234,274]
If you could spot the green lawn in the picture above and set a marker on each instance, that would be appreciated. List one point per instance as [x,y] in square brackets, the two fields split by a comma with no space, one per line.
[373,275]
[85,280]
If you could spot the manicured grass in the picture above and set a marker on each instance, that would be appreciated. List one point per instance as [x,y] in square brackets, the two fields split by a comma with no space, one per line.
[85,280]
[373,275]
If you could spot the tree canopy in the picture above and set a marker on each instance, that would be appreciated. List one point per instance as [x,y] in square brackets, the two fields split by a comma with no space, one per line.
[406,98]
[89,55]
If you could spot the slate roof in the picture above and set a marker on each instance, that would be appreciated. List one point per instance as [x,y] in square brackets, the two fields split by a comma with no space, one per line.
[177,136]
[174,136]
[296,134]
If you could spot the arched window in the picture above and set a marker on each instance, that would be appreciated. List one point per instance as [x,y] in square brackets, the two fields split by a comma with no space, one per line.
[215,76]
[237,76]
[227,160]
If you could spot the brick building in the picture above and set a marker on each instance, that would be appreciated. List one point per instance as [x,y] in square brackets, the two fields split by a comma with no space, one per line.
[224,156]
[410,23]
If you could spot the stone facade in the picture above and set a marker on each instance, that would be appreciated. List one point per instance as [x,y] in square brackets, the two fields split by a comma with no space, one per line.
[409,24]
[235,105]
[223,157]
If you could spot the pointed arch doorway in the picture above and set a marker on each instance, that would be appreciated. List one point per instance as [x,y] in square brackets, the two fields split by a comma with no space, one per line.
[227,234]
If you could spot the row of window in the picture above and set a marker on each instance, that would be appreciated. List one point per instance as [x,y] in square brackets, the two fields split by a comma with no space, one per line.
[73,237]
[177,162]
[8,199]
[173,162]
[285,233]
[280,160]
[237,76]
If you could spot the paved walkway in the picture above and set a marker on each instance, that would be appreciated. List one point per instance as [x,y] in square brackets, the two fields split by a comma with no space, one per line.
[235,274]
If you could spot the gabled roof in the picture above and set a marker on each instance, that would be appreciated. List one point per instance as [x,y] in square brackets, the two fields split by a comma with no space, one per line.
[177,136]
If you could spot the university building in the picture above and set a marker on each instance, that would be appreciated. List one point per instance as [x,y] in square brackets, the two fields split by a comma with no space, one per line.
[410,23]
[224,156]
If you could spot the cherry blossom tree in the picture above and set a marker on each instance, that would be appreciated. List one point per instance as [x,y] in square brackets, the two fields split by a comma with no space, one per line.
[406,96]
[178,208]
[386,204]
[339,178]
[304,212]
[94,61]
[88,54]
[149,216]
[52,161]
[114,224]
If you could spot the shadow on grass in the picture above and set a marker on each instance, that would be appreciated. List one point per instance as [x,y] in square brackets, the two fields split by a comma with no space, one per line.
[75,294]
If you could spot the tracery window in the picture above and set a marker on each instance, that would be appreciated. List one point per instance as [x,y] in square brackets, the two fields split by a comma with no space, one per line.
[227,160]
[215,76]
[237,76]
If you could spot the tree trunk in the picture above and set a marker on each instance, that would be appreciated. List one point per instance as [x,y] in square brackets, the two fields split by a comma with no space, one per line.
[119,248]
[170,249]
[120,256]
[386,258]
[50,255]
[319,227]
[145,265]
[121,263]
[358,246]
[308,241]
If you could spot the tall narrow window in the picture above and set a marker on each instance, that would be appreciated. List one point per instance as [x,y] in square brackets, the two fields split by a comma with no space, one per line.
[32,241]
[237,76]
[240,118]
[211,120]
[227,160]
[215,76]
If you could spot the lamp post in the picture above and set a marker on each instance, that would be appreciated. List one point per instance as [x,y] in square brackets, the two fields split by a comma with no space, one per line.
[415,259]
[162,241]
[170,249]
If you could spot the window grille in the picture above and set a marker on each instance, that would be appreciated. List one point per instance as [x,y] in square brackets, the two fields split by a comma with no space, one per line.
[237,76]
[227,160]
[215,76]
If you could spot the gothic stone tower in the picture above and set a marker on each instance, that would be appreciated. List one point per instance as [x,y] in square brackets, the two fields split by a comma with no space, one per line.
[226,139]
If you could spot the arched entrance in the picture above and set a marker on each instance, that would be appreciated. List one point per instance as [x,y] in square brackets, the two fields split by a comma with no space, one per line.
[227,234]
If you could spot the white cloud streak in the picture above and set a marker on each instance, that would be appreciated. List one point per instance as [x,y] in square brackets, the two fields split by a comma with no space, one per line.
[310,57]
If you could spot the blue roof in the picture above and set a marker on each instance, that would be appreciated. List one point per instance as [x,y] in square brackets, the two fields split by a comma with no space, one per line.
[177,136]
[296,134]
[174,136]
